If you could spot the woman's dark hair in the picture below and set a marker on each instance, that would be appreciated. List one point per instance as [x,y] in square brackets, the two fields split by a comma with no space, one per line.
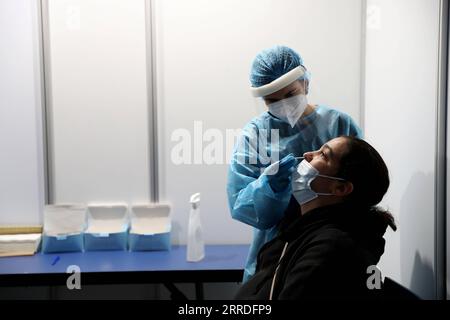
[363,166]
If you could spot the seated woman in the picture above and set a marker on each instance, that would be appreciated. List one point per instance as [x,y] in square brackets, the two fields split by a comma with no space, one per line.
[332,232]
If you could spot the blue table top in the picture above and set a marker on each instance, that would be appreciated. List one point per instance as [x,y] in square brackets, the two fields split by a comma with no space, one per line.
[217,257]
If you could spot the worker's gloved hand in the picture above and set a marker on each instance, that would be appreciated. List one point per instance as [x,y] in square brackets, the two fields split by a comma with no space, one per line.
[279,174]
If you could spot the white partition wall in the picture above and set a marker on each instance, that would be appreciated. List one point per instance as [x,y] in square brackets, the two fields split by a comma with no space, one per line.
[21,155]
[99,124]
[447,177]
[204,52]
[400,121]
[98,110]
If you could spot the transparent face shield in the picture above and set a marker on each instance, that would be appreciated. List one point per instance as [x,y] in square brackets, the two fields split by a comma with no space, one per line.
[260,105]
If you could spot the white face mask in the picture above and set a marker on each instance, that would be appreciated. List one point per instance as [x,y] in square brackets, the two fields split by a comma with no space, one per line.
[301,183]
[289,110]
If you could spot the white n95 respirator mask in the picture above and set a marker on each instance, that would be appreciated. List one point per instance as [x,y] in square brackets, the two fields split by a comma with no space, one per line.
[301,183]
[290,109]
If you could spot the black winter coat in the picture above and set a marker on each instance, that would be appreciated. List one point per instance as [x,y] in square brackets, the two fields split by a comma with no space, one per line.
[323,254]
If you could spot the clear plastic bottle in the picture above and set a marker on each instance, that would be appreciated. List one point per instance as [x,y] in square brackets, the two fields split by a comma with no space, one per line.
[195,243]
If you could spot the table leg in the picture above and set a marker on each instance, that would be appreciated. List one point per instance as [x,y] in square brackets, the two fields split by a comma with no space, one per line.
[175,293]
[199,294]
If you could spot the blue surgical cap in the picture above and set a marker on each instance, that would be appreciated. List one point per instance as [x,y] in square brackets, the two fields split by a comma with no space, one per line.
[272,63]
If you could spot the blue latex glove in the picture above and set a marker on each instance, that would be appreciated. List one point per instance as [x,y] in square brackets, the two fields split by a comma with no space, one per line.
[279,174]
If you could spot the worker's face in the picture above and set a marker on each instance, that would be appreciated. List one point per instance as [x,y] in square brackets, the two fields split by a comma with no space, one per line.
[326,160]
[295,88]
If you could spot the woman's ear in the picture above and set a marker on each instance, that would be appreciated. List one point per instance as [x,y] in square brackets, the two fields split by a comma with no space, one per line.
[343,189]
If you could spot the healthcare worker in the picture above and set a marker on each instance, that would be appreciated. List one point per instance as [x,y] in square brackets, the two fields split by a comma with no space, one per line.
[259,188]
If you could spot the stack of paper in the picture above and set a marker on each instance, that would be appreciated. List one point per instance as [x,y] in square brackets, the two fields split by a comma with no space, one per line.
[19,244]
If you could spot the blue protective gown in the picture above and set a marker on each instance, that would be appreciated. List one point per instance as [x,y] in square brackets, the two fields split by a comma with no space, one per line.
[251,199]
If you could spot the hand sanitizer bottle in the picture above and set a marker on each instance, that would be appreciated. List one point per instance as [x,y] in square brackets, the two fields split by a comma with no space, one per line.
[195,244]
